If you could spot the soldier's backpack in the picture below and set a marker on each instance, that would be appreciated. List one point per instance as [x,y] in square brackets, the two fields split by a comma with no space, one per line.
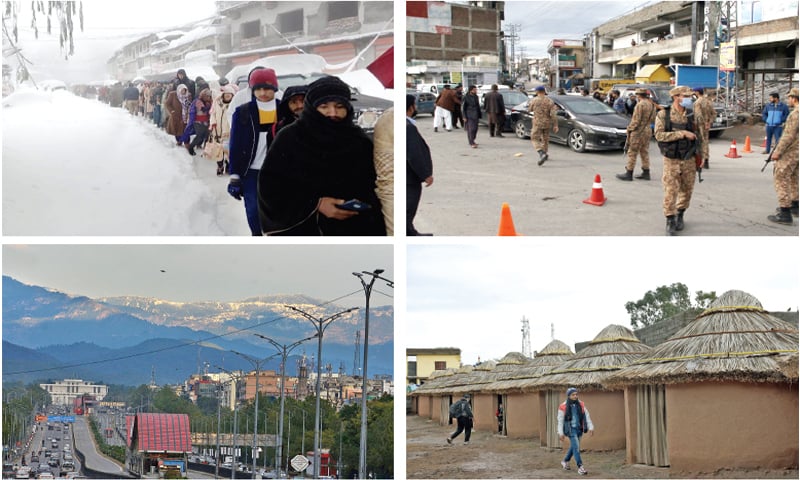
[455,410]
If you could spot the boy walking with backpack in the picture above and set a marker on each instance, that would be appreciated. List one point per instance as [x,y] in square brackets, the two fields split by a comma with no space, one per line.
[462,412]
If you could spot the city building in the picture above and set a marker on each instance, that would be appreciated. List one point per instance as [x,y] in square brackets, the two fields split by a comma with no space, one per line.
[759,48]
[158,443]
[346,34]
[64,392]
[422,362]
[454,43]
[567,58]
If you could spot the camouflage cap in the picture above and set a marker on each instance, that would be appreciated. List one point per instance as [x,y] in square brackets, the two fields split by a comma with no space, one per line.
[642,91]
[793,92]
[680,91]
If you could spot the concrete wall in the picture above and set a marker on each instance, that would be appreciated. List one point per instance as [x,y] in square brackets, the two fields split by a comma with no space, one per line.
[474,31]
[749,425]
[522,415]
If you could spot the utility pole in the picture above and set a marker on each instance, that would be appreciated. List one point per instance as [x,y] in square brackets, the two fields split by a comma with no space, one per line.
[320,324]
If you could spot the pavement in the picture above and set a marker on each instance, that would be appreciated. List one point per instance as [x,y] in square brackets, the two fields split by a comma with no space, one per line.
[470,186]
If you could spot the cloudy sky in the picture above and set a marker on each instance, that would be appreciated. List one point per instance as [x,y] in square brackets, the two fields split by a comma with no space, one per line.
[203,272]
[108,25]
[474,296]
[544,21]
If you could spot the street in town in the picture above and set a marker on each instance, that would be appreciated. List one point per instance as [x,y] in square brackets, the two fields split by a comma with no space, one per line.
[470,186]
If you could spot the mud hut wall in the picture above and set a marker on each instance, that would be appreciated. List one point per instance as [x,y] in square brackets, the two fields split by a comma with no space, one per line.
[631,426]
[748,425]
[425,402]
[522,415]
[607,411]
[436,411]
[483,411]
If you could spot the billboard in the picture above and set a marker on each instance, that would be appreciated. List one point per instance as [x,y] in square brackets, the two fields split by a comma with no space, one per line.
[727,56]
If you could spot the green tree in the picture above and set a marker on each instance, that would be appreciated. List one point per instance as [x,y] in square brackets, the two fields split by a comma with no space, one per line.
[664,302]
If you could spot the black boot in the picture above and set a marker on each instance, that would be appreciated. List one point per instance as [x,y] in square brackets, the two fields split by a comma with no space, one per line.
[670,225]
[793,208]
[627,176]
[783,217]
[542,158]
[219,168]
[705,164]
[679,220]
[644,176]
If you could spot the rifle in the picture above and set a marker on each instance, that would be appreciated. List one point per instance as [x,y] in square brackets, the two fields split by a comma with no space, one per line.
[625,148]
[766,162]
[698,160]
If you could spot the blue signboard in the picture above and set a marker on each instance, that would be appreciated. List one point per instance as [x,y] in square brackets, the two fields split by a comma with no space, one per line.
[61,418]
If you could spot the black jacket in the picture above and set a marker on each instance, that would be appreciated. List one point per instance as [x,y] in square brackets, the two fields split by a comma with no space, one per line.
[471,106]
[419,164]
[245,129]
[312,158]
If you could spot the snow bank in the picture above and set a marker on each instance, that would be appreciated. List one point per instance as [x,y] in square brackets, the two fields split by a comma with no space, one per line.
[73,166]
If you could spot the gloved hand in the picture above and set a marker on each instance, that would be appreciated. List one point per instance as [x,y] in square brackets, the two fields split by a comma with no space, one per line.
[235,188]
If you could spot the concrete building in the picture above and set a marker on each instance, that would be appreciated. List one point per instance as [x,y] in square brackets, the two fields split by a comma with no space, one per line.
[422,362]
[567,58]
[764,44]
[454,43]
[64,392]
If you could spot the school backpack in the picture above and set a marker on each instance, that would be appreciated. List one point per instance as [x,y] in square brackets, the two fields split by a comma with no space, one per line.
[455,409]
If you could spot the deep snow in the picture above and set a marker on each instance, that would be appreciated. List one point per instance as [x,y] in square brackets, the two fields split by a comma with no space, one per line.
[75,166]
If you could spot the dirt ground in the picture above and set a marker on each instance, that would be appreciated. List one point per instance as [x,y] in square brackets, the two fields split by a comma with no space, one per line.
[495,456]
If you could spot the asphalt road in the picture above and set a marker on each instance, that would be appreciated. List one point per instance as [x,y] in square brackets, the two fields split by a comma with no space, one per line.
[470,186]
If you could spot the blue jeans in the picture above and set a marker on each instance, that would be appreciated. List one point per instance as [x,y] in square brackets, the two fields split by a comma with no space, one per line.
[250,194]
[157,114]
[574,449]
[773,131]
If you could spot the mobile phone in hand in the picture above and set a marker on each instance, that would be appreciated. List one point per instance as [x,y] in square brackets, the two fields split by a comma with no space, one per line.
[354,206]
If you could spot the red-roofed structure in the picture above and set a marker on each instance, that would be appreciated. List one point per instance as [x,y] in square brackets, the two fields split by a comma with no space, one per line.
[156,438]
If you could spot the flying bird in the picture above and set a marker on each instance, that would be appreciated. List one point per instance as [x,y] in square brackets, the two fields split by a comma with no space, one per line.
[163,271]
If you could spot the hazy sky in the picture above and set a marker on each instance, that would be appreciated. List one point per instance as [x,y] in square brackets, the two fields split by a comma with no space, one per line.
[543,22]
[108,25]
[473,297]
[203,272]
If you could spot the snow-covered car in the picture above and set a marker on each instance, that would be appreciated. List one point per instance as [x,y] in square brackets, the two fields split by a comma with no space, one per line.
[53,85]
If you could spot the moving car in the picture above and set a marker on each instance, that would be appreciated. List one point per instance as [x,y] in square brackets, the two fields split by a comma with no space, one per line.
[583,124]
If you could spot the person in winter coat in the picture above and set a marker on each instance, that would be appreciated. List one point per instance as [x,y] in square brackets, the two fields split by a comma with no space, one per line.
[176,104]
[573,421]
[472,112]
[244,95]
[200,84]
[291,105]
[221,126]
[316,164]
[419,166]
[182,79]
[199,118]
[156,93]
[131,97]
[464,419]
[774,115]
[252,133]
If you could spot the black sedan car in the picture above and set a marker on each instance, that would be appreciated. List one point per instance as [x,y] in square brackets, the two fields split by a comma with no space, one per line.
[583,124]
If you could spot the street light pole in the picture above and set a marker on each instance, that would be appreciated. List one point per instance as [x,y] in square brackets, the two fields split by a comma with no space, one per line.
[362,447]
[257,365]
[320,324]
[284,351]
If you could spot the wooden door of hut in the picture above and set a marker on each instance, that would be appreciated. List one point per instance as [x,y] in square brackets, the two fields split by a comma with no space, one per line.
[444,409]
[552,400]
[651,417]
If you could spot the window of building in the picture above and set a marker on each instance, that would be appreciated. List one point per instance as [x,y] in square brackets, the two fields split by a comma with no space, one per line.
[250,29]
[291,21]
[440,365]
[412,369]
[337,10]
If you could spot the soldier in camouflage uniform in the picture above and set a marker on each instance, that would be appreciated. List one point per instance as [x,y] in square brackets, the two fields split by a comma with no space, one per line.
[704,115]
[677,144]
[785,156]
[639,134]
[544,118]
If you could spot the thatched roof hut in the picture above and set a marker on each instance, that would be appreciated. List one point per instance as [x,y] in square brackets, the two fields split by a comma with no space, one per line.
[735,364]
[613,348]
[484,403]
[734,339]
[521,379]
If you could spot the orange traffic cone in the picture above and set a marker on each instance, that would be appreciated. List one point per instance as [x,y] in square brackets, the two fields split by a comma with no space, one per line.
[746,148]
[597,197]
[506,223]
[732,153]
[764,143]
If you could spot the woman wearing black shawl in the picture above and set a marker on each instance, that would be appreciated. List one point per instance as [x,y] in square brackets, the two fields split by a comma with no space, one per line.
[318,162]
